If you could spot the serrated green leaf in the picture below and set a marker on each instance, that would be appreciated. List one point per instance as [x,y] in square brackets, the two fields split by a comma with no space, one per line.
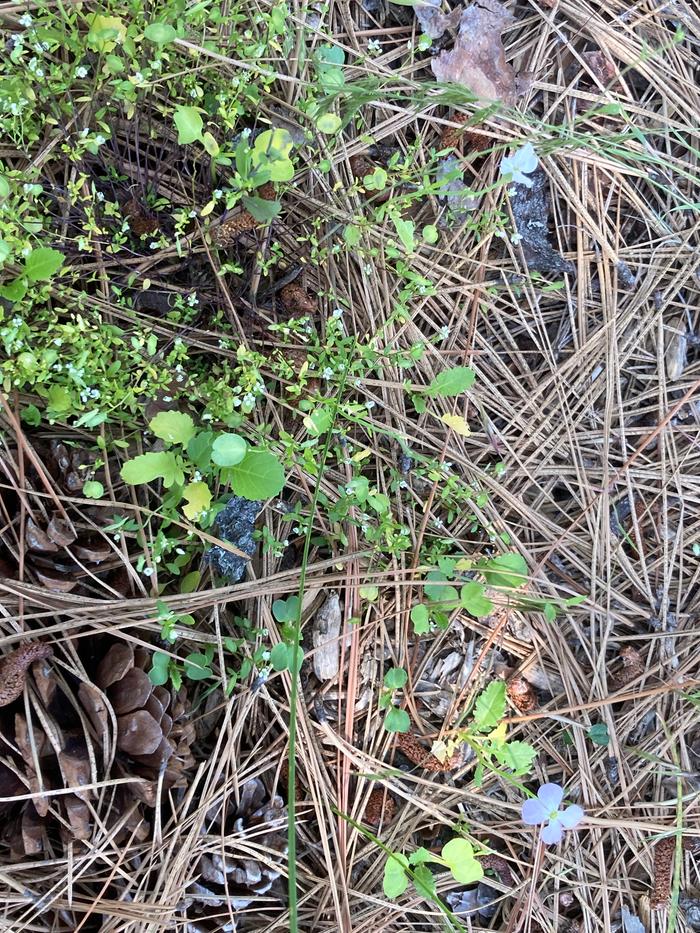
[518,756]
[425,882]
[397,720]
[395,880]
[472,597]
[259,475]
[451,382]
[507,570]
[490,706]
[148,467]
[228,450]
[189,124]
[406,230]
[42,263]
[175,427]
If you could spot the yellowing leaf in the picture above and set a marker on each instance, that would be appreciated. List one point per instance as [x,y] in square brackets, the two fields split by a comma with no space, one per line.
[198,496]
[457,423]
[105,32]
[499,733]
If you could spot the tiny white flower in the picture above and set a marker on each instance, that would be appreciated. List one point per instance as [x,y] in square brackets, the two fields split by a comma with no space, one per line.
[374,47]
[100,196]
[81,71]
[515,238]
[338,313]
[25,20]
[153,245]
[327,373]
[444,332]
[207,417]
[217,193]
[138,77]
[117,537]
[100,140]
[167,398]
[370,405]
[148,571]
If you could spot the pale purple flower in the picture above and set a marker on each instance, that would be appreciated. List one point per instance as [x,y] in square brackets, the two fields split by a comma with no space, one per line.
[544,808]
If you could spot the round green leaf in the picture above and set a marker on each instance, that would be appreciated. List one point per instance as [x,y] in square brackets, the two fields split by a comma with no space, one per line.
[147,467]
[228,450]
[198,498]
[421,619]
[258,476]
[397,720]
[459,855]
[329,123]
[508,570]
[175,427]
[430,233]
[395,678]
[280,657]
[197,666]
[93,489]
[160,33]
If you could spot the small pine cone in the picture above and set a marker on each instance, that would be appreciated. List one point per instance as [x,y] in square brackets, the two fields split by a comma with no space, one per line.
[267,192]
[13,669]
[664,856]
[297,300]
[632,668]
[452,135]
[230,229]
[380,809]
[360,166]
[498,865]
[521,694]
[416,752]
[141,221]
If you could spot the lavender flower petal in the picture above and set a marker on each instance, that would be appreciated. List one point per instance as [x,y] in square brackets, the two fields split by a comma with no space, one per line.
[552,833]
[533,812]
[551,795]
[571,817]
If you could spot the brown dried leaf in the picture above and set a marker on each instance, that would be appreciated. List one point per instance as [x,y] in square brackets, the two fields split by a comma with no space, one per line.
[601,66]
[13,669]
[138,733]
[326,634]
[521,694]
[478,59]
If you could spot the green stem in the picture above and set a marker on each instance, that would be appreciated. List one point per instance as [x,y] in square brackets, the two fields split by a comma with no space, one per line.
[294,672]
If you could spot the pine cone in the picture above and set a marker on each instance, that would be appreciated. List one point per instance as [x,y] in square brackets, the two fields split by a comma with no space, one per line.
[297,300]
[461,139]
[230,881]
[141,220]
[521,694]
[70,742]
[231,228]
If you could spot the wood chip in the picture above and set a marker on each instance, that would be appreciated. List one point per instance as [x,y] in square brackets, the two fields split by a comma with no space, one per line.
[326,638]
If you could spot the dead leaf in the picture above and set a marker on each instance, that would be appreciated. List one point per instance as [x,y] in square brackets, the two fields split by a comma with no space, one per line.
[432,20]
[601,67]
[478,58]
[326,634]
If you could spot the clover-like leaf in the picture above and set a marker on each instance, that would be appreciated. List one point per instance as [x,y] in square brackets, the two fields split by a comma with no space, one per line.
[397,720]
[459,855]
